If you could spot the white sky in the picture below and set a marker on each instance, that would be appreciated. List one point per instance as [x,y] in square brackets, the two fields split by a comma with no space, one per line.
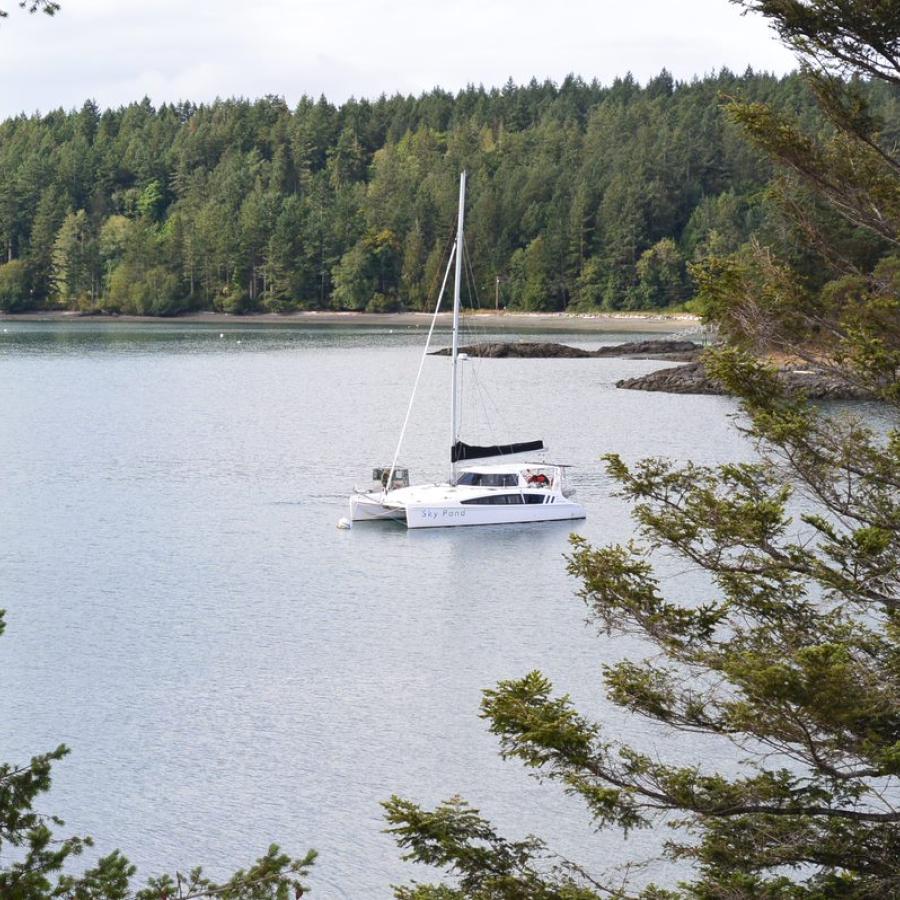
[117,51]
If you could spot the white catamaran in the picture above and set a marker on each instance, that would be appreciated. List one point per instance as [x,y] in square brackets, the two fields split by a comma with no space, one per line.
[483,494]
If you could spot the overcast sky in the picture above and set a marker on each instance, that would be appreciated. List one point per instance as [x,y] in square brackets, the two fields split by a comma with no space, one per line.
[117,51]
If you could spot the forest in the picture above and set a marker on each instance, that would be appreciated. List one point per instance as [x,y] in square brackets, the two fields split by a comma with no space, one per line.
[582,197]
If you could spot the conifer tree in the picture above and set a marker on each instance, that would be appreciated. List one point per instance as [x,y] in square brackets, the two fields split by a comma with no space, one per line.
[45,6]
[789,661]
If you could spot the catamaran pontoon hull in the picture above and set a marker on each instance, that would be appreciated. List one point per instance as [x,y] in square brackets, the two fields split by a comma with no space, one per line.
[449,516]
[484,495]
[370,508]
[364,508]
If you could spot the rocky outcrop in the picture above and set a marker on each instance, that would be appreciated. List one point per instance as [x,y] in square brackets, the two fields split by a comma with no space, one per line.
[518,350]
[655,349]
[690,378]
[677,351]
[693,379]
[687,379]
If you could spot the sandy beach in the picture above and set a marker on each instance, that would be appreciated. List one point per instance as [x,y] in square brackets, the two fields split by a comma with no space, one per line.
[504,321]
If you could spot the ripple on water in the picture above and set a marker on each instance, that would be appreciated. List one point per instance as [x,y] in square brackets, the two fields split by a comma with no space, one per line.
[231,667]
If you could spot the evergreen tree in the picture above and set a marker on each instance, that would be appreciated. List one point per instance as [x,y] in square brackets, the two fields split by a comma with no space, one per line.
[661,275]
[589,173]
[48,219]
[13,286]
[33,6]
[74,260]
[789,661]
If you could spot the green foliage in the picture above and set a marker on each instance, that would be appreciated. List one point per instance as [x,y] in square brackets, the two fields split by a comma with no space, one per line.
[354,282]
[847,323]
[455,836]
[143,292]
[589,286]
[33,6]
[841,191]
[73,259]
[383,304]
[661,275]
[787,660]
[368,275]
[848,38]
[258,206]
[791,655]
[529,277]
[14,286]
[151,202]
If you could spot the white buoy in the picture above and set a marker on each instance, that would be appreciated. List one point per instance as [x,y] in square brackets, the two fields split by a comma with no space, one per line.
[344,523]
[222,335]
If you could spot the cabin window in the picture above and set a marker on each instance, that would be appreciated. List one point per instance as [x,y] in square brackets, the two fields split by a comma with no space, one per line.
[494,500]
[488,479]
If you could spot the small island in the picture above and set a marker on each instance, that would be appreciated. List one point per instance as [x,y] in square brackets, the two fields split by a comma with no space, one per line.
[689,377]
[681,351]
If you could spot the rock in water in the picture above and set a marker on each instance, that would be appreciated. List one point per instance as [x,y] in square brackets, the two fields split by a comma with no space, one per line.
[656,349]
[518,350]
[653,349]
[693,379]
[687,379]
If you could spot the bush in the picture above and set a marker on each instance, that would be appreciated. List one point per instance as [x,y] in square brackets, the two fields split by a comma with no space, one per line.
[154,292]
[383,304]
[15,295]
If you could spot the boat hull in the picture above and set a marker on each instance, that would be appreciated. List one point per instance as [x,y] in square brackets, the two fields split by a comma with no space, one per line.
[369,508]
[468,504]
[424,516]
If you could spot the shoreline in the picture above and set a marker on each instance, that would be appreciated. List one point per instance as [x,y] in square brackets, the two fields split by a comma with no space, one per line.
[599,322]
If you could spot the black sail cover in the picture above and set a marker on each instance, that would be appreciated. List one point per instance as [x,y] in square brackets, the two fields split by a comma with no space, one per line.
[461,452]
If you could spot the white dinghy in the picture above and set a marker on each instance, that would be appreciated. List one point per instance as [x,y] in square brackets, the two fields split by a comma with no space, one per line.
[528,490]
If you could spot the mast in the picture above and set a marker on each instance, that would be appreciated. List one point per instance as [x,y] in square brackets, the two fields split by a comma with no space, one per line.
[454,395]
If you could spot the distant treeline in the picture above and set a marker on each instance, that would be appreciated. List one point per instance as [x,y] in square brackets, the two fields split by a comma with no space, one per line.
[581,196]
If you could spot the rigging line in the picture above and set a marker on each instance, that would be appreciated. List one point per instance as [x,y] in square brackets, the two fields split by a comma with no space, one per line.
[448,245]
[475,331]
[481,393]
[474,300]
[468,260]
[479,331]
[437,307]
[487,400]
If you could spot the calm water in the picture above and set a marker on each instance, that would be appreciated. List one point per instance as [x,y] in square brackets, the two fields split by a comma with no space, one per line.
[229,668]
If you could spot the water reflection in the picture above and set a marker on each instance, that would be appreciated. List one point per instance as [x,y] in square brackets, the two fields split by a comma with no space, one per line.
[91,335]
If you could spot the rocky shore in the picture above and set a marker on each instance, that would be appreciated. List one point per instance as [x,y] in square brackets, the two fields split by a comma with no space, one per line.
[675,351]
[689,378]
[693,379]
[659,323]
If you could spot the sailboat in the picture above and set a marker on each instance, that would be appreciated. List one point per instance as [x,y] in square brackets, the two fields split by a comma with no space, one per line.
[476,493]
